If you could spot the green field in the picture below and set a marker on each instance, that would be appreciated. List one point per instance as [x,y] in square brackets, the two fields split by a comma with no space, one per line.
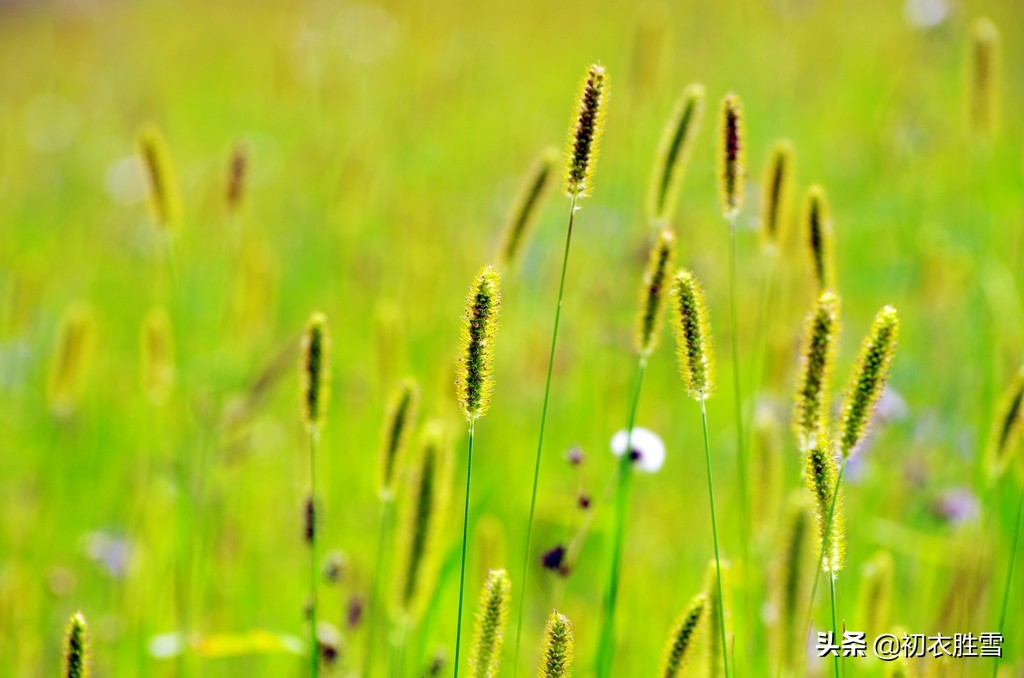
[385,145]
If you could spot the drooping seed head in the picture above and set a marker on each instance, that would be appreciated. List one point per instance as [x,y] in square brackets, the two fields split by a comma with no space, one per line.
[715,657]
[791,584]
[523,215]
[71,359]
[157,343]
[818,235]
[238,167]
[479,325]
[817,355]
[585,131]
[1006,428]
[985,74]
[557,652]
[489,629]
[820,475]
[731,151]
[775,196]
[314,370]
[653,292]
[693,335]
[870,373]
[874,596]
[682,638]
[673,153]
[400,420]
[75,662]
[164,198]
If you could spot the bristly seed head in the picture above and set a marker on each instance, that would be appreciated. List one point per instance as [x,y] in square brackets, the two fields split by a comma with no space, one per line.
[817,355]
[867,381]
[820,474]
[314,369]
[71,359]
[157,356]
[489,629]
[479,325]
[164,198]
[818,231]
[529,200]
[791,583]
[1006,429]
[557,651]
[986,71]
[400,420]
[75,662]
[237,170]
[776,189]
[731,163]
[673,152]
[585,131]
[652,293]
[693,335]
[681,641]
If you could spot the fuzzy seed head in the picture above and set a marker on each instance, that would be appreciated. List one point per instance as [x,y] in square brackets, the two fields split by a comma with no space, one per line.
[791,583]
[238,167]
[76,648]
[817,356]
[820,475]
[1006,429]
[157,342]
[71,359]
[680,643]
[164,198]
[400,420]
[523,215]
[985,74]
[479,325]
[775,198]
[693,335]
[557,651]
[818,234]
[652,293]
[870,373]
[731,150]
[489,629]
[713,628]
[314,370]
[673,153]
[585,131]
[874,597]
[767,461]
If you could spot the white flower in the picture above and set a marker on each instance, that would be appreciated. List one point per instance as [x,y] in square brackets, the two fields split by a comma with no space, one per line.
[647,449]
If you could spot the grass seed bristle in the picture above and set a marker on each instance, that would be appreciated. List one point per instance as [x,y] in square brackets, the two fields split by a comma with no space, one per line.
[476,359]
[653,292]
[677,140]
[585,130]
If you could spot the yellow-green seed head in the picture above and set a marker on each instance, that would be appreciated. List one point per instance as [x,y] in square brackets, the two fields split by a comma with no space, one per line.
[767,461]
[791,584]
[693,335]
[818,236]
[682,638]
[985,74]
[314,371]
[164,198]
[1006,429]
[238,168]
[489,629]
[673,153]
[653,292]
[775,197]
[157,341]
[820,474]
[400,420]
[715,657]
[523,215]
[479,325]
[870,373]
[71,359]
[731,152]
[874,597]
[75,662]
[817,355]
[557,651]
[585,131]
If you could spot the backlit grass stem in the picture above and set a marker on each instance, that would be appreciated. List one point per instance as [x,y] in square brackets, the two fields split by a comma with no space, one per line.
[1009,574]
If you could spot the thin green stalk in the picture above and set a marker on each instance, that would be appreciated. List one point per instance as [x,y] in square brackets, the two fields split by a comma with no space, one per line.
[540,437]
[835,626]
[383,547]
[1009,575]
[606,648]
[824,543]
[714,534]
[314,654]
[465,533]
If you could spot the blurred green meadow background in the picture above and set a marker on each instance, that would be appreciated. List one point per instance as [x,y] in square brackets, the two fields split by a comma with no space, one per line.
[386,142]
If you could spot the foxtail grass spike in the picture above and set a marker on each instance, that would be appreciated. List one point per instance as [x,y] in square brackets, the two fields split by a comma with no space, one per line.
[424,512]
[791,585]
[476,358]
[76,648]
[673,153]
[1006,429]
[489,628]
[314,370]
[238,168]
[874,598]
[681,641]
[776,190]
[731,151]
[986,68]
[817,355]
[820,474]
[652,294]
[767,468]
[157,342]
[400,420]
[719,616]
[585,131]
[693,335]
[527,205]
[818,232]
[71,359]
[164,198]
[557,651]
[870,373]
